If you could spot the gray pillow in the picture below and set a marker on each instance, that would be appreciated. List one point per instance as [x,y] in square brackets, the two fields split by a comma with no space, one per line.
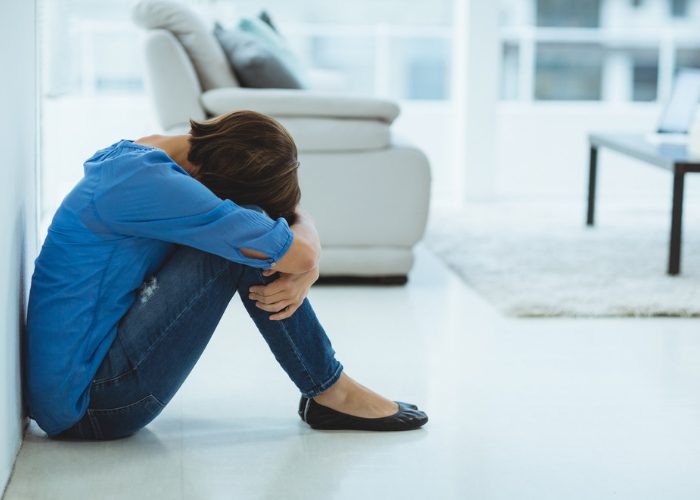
[254,64]
[265,17]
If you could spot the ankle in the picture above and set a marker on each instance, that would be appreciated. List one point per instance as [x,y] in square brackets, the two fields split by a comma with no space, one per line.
[336,394]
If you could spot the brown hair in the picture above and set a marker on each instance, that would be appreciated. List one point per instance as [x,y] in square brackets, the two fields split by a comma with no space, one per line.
[248,158]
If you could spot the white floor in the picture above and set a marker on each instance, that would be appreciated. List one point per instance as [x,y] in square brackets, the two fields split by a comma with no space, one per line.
[519,409]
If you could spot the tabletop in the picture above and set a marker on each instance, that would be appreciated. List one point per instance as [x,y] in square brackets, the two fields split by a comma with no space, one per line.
[664,155]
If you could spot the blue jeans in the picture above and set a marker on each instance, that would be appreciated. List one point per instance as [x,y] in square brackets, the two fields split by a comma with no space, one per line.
[162,336]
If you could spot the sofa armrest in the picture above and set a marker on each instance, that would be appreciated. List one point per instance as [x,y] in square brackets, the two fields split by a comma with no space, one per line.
[298,103]
[171,80]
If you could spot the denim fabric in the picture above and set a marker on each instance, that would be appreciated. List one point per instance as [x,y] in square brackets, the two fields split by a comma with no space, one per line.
[166,330]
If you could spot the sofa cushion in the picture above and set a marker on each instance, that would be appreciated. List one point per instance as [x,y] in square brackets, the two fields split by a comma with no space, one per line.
[276,43]
[206,54]
[337,134]
[253,63]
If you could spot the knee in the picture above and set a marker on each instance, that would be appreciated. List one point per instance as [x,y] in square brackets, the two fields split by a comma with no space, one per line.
[199,264]
[193,258]
[255,275]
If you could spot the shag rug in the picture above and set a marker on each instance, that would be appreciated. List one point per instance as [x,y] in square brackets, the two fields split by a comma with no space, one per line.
[540,260]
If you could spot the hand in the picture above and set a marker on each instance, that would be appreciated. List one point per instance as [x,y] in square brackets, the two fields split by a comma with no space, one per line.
[283,296]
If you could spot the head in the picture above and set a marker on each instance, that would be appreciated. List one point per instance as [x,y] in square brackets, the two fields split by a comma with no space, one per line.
[248,158]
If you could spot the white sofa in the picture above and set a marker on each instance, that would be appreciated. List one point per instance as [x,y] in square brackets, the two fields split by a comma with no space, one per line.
[368,192]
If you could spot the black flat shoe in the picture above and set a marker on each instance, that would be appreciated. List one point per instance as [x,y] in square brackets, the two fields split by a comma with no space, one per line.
[407,417]
[413,407]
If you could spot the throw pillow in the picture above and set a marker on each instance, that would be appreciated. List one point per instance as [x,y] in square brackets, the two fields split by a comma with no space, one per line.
[274,41]
[205,53]
[265,17]
[254,64]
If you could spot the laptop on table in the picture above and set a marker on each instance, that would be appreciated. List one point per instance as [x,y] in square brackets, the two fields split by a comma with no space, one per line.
[679,112]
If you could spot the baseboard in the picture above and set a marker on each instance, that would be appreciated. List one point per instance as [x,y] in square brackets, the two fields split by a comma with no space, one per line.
[3,487]
[391,280]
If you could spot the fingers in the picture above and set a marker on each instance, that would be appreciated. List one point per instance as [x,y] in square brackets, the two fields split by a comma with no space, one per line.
[268,290]
[274,308]
[268,299]
[286,313]
[268,272]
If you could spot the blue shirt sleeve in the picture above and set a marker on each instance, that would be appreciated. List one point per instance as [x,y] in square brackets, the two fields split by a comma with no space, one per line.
[159,200]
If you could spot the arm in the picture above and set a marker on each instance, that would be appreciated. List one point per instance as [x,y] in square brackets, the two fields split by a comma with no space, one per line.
[184,211]
[305,251]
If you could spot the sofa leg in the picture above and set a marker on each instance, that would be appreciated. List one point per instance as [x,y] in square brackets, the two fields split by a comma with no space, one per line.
[392,280]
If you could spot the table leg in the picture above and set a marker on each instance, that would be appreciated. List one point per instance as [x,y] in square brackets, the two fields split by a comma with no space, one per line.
[674,256]
[592,171]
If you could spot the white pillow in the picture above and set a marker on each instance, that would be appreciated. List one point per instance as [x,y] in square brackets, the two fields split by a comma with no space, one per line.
[205,52]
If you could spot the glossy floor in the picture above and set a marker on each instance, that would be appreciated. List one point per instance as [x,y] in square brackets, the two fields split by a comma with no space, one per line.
[519,409]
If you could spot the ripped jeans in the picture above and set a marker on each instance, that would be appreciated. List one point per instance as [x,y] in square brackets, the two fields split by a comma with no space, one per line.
[165,331]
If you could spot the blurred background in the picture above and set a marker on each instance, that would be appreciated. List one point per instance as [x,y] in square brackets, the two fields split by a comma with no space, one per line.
[564,68]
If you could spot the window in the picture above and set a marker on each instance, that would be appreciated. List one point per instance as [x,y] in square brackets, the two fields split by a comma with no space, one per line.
[688,58]
[568,72]
[568,13]
[607,50]
[679,8]
[89,48]
[351,57]
[645,75]
[420,68]
[510,68]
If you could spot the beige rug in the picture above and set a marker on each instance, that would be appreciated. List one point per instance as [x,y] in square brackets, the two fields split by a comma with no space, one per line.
[539,260]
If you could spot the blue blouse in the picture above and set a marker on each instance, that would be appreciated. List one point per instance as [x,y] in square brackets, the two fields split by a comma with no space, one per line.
[116,227]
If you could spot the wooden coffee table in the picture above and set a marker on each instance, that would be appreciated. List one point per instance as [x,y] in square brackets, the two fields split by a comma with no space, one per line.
[672,157]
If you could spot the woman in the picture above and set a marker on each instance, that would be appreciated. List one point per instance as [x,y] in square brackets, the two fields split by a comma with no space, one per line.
[140,262]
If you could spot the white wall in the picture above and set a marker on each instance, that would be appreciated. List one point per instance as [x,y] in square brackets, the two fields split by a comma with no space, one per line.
[476,62]
[72,132]
[543,152]
[17,209]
